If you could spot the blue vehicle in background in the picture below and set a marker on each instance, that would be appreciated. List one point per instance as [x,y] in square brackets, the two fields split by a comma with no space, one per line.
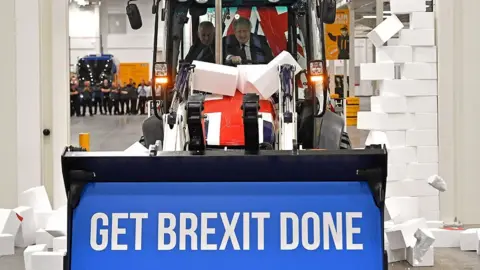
[96,68]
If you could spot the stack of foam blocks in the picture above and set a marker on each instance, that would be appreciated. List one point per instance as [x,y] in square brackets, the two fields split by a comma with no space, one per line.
[37,228]
[404,118]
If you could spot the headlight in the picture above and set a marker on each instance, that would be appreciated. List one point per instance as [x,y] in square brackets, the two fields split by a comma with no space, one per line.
[201,1]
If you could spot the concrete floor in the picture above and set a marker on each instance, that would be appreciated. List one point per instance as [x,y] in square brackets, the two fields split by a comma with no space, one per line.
[119,132]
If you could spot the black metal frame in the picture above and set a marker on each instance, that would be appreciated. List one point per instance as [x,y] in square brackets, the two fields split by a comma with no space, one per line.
[80,168]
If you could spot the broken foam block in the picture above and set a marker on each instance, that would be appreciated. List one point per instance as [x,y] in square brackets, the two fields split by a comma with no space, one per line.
[403,235]
[215,78]
[9,222]
[438,183]
[266,81]
[44,238]
[35,198]
[427,259]
[27,255]
[468,239]
[425,240]
[7,244]
[48,260]
[385,31]
[26,233]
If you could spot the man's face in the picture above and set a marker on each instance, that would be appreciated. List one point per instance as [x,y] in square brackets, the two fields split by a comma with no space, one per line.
[206,35]
[105,82]
[242,33]
[87,84]
[344,32]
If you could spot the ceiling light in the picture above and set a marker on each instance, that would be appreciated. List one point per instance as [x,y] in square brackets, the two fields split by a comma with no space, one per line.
[373,17]
[201,1]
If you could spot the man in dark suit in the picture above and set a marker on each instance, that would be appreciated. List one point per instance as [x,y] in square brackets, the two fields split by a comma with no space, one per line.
[204,50]
[245,46]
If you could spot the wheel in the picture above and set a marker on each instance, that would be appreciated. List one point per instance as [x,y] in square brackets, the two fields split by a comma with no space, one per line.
[345,141]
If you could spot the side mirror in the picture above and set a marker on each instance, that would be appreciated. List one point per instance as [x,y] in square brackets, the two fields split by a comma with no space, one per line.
[329,11]
[134,16]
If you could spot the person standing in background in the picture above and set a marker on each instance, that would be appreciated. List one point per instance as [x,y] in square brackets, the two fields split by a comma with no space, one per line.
[124,100]
[142,97]
[74,100]
[149,90]
[106,97]
[133,97]
[115,99]
[97,99]
[87,98]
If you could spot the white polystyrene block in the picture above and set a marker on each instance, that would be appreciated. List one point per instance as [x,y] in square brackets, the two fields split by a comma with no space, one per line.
[478,242]
[9,222]
[427,154]
[244,73]
[446,238]
[384,121]
[387,225]
[395,54]
[136,148]
[396,172]
[413,188]
[418,37]
[406,208]
[427,259]
[427,137]
[7,244]
[266,81]
[214,78]
[47,260]
[59,243]
[409,88]
[419,71]
[26,233]
[403,235]
[396,138]
[422,20]
[396,255]
[421,170]
[425,54]
[376,137]
[392,42]
[388,104]
[407,6]
[385,31]
[43,238]
[401,155]
[35,198]
[377,71]
[435,224]
[27,255]
[57,223]
[429,203]
[468,239]
[437,182]
[425,121]
[41,218]
[422,104]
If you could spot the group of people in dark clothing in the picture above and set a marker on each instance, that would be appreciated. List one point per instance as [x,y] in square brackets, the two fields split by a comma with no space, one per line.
[108,98]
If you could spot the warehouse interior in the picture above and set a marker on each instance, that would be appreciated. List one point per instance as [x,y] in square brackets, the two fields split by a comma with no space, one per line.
[406,85]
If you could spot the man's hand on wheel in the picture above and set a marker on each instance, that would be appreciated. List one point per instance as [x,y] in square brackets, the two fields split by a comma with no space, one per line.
[236,60]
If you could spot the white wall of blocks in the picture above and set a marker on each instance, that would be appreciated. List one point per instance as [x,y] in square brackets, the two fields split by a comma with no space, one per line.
[406,109]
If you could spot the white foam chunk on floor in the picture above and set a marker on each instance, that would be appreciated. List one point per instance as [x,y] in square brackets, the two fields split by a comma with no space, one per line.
[59,243]
[47,260]
[438,183]
[26,233]
[446,238]
[435,224]
[468,239]
[9,222]
[35,198]
[427,259]
[385,31]
[27,254]
[425,240]
[215,78]
[43,238]
[7,244]
[266,81]
[403,235]
[57,223]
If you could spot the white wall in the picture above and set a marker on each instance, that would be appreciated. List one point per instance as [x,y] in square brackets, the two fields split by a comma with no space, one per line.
[135,45]
[459,129]
[84,32]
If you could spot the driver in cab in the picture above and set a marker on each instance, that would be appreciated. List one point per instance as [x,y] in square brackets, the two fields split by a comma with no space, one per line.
[245,47]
